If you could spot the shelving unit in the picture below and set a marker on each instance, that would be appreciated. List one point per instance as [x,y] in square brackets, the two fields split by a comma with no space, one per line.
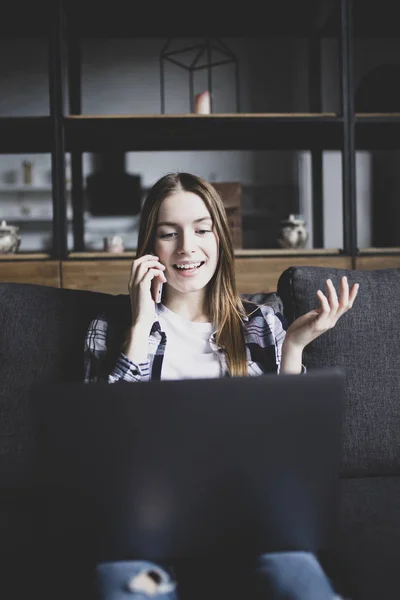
[378,131]
[202,132]
[222,132]
[22,212]
[239,253]
[20,135]
[93,133]
[65,23]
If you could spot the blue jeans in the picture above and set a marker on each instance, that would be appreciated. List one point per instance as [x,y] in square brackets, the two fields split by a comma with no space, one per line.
[273,576]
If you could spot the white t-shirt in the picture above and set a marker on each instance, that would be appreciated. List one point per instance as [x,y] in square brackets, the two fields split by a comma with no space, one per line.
[188,353]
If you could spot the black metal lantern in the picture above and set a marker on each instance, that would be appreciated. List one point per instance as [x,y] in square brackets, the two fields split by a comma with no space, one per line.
[203,59]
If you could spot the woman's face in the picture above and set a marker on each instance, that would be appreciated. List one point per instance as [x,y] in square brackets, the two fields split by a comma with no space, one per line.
[185,242]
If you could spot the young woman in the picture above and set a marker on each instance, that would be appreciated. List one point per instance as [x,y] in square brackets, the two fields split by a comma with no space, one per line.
[188,321]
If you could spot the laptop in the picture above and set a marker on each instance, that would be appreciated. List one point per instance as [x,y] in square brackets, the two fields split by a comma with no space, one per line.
[174,469]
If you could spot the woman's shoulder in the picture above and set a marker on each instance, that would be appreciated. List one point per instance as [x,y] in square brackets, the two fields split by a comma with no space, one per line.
[107,325]
[267,299]
[264,317]
[96,333]
[254,310]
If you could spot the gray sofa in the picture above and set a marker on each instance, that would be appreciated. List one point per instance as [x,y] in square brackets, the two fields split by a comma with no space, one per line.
[41,340]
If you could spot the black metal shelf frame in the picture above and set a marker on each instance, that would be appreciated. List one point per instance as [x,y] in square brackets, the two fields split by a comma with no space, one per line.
[348,152]
[94,134]
[56,91]
[60,133]
[26,135]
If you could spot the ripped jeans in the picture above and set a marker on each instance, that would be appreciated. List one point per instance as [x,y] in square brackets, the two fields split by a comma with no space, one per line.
[272,576]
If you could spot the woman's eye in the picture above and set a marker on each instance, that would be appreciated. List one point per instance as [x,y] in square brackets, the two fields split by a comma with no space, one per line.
[166,236]
[203,231]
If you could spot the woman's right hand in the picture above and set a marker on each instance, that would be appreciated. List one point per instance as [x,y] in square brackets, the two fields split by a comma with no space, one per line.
[144,270]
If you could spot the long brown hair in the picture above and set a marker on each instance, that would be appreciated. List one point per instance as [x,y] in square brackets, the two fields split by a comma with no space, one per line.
[224,305]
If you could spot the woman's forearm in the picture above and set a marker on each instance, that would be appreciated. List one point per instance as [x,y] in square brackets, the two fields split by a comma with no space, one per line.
[291,358]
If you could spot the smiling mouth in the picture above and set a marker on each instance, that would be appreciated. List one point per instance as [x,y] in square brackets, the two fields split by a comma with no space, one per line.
[188,268]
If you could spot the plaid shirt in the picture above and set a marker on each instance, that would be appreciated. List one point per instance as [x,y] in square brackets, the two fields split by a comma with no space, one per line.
[264,332]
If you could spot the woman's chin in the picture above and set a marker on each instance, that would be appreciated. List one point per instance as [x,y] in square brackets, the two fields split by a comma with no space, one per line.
[188,286]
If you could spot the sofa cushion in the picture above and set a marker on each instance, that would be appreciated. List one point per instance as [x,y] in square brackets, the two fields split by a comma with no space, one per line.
[365,343]
[42,331]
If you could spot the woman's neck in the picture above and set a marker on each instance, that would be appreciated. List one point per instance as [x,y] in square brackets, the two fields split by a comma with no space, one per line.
[190,306]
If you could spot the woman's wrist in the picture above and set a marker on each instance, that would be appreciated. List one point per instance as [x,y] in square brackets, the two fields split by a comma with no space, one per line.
[292,356]
[293,345]
[136,343]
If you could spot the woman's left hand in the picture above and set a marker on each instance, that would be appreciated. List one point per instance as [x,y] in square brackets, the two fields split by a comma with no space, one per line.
[308,327]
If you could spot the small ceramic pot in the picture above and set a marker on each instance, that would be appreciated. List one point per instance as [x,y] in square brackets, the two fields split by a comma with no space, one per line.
[293,233]
[114,243]
[9,239]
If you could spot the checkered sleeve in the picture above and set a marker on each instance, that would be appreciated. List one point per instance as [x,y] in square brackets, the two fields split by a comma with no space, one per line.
[95,352]
[278,325]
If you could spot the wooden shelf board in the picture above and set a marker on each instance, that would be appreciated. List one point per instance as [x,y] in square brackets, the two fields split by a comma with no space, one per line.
[90,255]
[370,251]
[276,252]
[25,256]
[371,262]
[377,132]
[202,132]
[211,115]
[395,115]
[239,253]
[20,135]
[230,131]
[254,274]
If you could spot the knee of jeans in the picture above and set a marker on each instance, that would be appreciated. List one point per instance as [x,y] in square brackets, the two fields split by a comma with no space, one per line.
[136,576]
[151,580]
[133,566]
[297,557]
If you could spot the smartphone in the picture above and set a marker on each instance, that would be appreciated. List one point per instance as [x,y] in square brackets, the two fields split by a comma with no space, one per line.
[156,290]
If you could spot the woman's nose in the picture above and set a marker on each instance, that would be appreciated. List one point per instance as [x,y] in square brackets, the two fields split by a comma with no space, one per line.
[186,243]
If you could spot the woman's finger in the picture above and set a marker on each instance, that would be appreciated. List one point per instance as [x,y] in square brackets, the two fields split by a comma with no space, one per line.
[151,274]
[146,257]
[353,293]
[332,296]
[138,271]
[344,293]
[325,308]
[153,280]
[142,260]
[144,267]
[148,276]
